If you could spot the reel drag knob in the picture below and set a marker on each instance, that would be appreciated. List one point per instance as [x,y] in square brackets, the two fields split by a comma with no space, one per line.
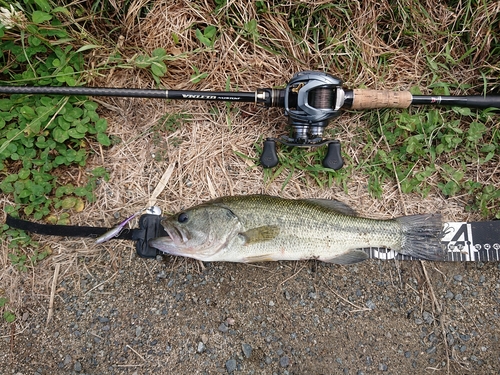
[269,157]
[333,158]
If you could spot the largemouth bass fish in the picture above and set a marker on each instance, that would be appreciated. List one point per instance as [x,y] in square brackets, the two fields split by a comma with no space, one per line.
[258,228]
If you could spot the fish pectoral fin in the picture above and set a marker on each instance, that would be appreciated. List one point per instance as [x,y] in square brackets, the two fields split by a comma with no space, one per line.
[260,234]
[334,205]
[259,258]
[350,257]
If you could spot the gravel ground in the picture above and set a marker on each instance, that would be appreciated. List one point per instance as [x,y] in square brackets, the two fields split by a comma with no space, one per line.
[156,316]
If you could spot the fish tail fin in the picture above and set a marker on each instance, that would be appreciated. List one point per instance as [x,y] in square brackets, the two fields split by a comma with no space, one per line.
[422,236]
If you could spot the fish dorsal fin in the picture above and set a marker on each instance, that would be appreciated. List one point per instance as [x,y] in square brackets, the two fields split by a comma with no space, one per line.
[350,257]
[260,234]
[333,204]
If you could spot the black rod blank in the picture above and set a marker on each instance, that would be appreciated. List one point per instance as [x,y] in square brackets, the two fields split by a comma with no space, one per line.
[133,93]
[472,101]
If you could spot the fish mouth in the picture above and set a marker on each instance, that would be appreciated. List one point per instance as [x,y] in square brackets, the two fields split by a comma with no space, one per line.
[170,244]
[177,236]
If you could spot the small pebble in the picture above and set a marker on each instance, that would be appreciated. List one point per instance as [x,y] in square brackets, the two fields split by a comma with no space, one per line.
[458,278]
[223,328]
[450,339]
[201,347]
[427,316]
[138,330]
[247,350]
[77,367]
[284,361]
[67,360]
[382,367]
[370,304]
[231,365]
[449,294]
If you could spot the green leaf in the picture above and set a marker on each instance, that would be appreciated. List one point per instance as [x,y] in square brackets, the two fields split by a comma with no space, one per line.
[40,17]
[251,26]
[63,123]
[159,52]
[158,68]
[64,190]
[202,38]
[11,178]
[73,133]
[81,128]
[27,112]
[9,316]
[210,32]
[68,202]
[81,191]
[60,135]
[6,104]
[60,10]
[24,174]
[91,106]
[103,139]
[43,4]
[101,125]
[476,131]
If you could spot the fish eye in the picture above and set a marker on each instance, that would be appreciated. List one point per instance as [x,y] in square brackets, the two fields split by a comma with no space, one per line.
[183,217]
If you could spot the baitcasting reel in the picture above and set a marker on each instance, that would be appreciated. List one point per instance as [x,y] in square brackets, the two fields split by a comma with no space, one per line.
[310,100]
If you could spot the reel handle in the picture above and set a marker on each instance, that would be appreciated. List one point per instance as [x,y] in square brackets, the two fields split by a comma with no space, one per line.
[269,157]
[333,158]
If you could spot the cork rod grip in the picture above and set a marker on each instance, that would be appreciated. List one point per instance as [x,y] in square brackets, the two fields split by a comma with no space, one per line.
[371,99]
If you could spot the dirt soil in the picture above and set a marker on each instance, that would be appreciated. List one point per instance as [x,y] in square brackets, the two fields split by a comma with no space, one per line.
[100,309]
[159,316]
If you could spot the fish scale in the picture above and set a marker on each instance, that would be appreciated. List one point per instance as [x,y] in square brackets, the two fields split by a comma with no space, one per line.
[257,228]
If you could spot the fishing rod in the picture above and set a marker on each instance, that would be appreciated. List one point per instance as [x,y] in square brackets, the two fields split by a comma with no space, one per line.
[310,100]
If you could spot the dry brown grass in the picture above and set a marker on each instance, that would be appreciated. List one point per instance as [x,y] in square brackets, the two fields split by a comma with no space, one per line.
[206,165]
